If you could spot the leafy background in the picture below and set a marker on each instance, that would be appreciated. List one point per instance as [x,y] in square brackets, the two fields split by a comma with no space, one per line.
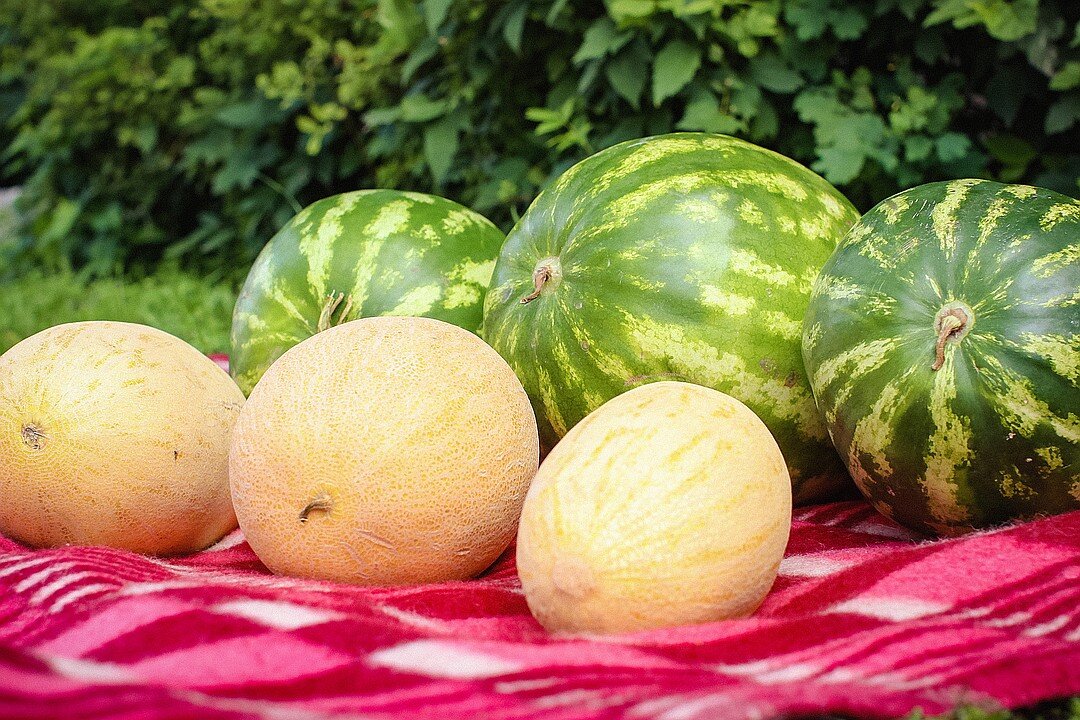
[151,133]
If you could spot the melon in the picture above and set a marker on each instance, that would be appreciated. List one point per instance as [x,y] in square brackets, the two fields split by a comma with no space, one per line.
[686,257]
[942,342]
[361,254]
[384,451]
[669,505]
[114,434]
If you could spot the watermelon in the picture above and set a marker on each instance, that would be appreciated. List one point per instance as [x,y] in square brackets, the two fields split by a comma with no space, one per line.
[942,345]
[359,254]
[686,257]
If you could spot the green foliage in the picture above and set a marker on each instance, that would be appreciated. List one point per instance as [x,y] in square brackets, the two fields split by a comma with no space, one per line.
[189,307]
[156,131]
[1059,709]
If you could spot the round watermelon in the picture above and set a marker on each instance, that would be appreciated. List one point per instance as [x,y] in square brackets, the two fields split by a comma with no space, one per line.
[943,346]
[679,257]
[363,253]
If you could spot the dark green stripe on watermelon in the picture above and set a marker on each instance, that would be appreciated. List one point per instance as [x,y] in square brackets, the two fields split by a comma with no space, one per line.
[361,254]
[687,257]
[942,345]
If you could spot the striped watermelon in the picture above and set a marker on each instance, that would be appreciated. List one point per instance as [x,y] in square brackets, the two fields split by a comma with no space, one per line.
[680,257]
[363,253]
[943,345]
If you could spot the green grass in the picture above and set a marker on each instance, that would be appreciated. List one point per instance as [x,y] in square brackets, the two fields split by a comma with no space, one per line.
[1067,708]
[187,306]
[1060,709]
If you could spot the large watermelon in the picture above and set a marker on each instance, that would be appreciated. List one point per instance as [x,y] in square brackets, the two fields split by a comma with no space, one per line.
[363,253]
[680,257]
[942,345]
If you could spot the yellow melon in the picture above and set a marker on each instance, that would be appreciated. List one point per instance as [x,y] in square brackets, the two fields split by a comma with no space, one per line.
[384,451]
[114,434]
[668,505]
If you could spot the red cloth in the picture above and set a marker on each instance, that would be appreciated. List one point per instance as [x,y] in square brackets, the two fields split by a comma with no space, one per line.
[863,620]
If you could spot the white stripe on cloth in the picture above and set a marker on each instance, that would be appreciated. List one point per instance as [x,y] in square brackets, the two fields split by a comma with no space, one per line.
[435,658]
[44,593]
[89,670]
[41,575]
[276,614]
[810,566]
[64,600]
[895,609]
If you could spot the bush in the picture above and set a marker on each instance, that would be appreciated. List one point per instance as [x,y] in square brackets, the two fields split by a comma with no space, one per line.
[157,131]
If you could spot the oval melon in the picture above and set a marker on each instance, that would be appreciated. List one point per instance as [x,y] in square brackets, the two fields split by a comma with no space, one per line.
[668,505]
[384,451]
[114,434]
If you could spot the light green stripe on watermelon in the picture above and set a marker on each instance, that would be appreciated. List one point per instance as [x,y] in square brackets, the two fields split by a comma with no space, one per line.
[687,256]
[373,252]
[894,208]
[944,216]
[949,453]
[1063,353]
[874,434]
[1054,262]
[993,432]
[1060,213]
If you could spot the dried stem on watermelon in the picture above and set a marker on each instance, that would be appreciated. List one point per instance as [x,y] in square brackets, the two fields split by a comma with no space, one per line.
[950,323]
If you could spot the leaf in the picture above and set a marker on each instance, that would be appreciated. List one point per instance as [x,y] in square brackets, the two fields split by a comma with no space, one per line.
[554,12]
[1005,20]
[402,24]
[770,72]
[626,73]
[207,149]
[1063,114]
[425,50]
[703,114]
[628,11]
[602,38]
[1067,77]
[952,146]
[440,147]
[420,108]
[808,17]
[917,147]
[699,111]
[251,114]
[1010,149]
[515,26]
[675,65]
[435,12]
[848,23]
[382,116]
[840,164]
[588,76]
[549,120]
[239,171]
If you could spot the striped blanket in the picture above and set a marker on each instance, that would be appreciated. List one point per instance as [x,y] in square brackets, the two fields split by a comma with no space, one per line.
[864,620]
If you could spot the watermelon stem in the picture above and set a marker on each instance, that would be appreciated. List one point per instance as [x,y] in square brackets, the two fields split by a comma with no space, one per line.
[540,276]
[949,323]
[328,308]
